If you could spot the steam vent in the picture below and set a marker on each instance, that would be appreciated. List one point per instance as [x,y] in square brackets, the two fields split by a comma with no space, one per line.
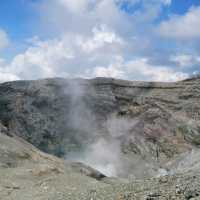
[99,139]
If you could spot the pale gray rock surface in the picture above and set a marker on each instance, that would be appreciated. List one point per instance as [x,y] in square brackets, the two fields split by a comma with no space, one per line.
[151,129]
[27,173]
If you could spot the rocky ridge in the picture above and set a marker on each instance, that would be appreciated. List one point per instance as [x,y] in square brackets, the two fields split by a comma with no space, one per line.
[154,127]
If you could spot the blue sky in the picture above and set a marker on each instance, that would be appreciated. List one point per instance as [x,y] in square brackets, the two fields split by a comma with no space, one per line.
[182,6]
[15,18]
[155,40]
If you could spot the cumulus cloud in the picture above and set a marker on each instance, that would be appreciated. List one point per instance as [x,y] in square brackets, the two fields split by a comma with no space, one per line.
[96,55]
[60,56]
[76,6]
[91,38]
[114,70]
[101,37]
[182,26]
[140,69]
[146,71]
[186,60]
[41,60]
[5,77]
[5,74]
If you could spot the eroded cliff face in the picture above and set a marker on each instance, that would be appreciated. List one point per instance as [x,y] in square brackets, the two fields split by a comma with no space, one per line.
[122,128]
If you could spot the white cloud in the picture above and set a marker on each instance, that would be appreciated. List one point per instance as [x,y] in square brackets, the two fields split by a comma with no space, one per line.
[80,16]
[139,69]
[143,69]
[58,57]
[114,70]
[43,59]
[166,2]
[101,37]
[5,75]
[110,71]
[79,6]
[186,60]
[182,27]
[96,56]
[96,38]
[4,41]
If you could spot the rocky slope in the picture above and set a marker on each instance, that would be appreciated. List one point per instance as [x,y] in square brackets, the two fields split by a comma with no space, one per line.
[27,173]
[136,130]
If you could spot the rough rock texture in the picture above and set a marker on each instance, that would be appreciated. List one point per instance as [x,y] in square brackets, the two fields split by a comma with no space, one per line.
[27,173]
[153,123]
[152,129]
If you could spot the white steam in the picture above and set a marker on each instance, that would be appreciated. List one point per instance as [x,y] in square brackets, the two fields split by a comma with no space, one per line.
[103,156]
[101,151]
[102,140]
